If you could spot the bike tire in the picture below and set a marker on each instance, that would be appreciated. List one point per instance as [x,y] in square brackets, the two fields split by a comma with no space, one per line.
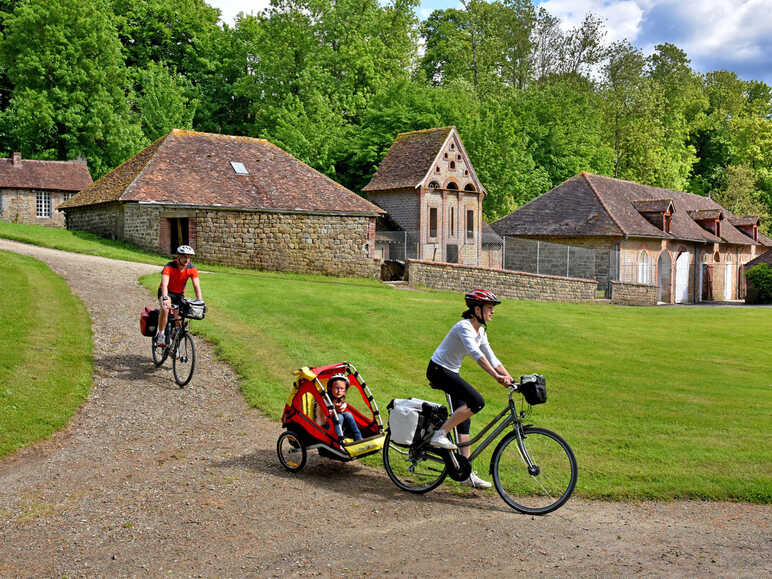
[413,471]
[549,486]
[184,359]
[291,451]
[159,354]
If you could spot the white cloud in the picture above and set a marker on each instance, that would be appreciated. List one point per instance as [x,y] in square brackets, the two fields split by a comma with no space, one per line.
[731,34]
[230,8]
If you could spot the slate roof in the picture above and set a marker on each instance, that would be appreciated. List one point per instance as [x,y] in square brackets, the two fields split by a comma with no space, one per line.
[652,205]
[192,168]
[46,175]
[592,205]
[747,221]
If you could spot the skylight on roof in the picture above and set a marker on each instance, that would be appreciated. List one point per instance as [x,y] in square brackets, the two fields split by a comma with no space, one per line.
[239,168]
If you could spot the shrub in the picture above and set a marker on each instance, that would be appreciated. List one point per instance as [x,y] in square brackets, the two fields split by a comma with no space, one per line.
[759,285]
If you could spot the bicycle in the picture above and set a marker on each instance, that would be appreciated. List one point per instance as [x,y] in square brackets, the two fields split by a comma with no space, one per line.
[534,470]
[179,342]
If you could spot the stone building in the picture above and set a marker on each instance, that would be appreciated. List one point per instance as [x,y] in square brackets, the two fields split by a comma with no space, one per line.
[30,190]
[687,246]
[428,186]
[237,200]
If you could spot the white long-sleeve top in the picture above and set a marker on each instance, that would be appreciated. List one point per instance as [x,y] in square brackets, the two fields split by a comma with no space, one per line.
[462,340]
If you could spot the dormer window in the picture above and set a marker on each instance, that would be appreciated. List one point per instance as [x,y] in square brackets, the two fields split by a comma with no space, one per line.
[717,228]
[667,222]
[755,233]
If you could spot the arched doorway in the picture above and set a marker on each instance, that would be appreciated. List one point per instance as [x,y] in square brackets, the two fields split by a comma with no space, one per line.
[682,278]
[663,277]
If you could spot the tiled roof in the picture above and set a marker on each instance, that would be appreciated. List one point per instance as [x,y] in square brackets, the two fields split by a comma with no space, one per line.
[652,205]
[47,175]
[569,209]
[592,205]
[489,235]
[706,214]
[192,168]
[746,221]
[763,258]
[409,159]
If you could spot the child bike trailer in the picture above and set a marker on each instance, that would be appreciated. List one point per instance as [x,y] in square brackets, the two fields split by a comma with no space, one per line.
[311,422]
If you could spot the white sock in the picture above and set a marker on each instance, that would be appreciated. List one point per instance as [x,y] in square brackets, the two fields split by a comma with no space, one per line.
[440,432]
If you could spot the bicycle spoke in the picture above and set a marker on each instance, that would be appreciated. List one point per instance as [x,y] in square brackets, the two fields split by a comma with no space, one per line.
[183,359]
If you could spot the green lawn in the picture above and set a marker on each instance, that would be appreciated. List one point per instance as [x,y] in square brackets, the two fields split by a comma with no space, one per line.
[45,352]
[656,402]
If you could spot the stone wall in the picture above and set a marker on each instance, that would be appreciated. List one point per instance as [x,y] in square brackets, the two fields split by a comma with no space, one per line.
[505,284]
[330,244]
[633,294]
[104,220]
[20,206]
[300,242]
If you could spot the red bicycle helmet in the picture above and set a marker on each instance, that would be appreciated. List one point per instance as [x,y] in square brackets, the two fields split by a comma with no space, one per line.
[480,297]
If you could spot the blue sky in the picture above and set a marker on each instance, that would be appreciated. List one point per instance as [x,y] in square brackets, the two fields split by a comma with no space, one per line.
[735,35]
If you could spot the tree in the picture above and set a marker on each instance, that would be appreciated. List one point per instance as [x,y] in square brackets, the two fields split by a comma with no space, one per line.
[740,195]
[64,60]
[162,102]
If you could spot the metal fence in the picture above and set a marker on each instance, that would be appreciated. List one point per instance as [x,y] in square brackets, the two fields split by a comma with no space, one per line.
[533,256]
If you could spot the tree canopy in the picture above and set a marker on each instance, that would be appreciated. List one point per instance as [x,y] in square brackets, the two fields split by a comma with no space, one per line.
[334,81]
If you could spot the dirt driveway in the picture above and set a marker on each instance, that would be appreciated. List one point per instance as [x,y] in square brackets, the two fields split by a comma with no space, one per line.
[153,480]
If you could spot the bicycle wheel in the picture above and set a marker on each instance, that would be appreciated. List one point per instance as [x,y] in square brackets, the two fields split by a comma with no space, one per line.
[413,471]
[159,354]
[544,487]
[291,451]
[184,360]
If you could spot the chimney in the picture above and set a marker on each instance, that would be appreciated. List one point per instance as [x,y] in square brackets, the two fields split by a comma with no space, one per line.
[17,159]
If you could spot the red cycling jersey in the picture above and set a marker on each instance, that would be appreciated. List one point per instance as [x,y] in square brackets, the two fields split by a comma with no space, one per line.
[178,279]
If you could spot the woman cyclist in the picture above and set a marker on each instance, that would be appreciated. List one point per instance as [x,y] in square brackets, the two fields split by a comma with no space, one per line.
[466,338]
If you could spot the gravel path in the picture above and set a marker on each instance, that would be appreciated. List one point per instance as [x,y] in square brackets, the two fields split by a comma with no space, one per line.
[153,480]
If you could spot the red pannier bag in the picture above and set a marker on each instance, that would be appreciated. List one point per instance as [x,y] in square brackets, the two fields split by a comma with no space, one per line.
[148,321]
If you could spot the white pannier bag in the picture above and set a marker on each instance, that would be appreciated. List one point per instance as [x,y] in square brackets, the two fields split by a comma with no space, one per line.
[410,419]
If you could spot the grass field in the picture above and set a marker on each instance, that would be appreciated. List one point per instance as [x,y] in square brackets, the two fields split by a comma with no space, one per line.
[45,352]
[656,402]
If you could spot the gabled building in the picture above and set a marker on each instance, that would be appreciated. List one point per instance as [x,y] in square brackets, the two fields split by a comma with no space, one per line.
[31,190]
[686,245]
[237,200]
[429,188]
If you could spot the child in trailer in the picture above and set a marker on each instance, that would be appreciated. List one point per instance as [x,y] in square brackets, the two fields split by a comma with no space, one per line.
[336,388]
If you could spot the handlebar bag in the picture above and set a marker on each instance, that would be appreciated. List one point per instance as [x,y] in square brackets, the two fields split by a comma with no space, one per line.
[534,388]
[193,309]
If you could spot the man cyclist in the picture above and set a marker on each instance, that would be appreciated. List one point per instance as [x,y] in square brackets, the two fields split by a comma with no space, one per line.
[174,277]
[466,338]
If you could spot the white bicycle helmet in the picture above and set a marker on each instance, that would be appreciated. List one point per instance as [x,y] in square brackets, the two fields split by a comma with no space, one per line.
[185,250]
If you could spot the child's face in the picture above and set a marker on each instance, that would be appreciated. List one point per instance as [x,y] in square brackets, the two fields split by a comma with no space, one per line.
[338,388]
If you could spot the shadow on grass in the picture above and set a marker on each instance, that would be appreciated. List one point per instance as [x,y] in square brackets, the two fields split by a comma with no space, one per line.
[357,480]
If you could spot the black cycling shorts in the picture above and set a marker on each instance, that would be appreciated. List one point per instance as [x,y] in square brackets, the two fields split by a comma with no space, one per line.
[461,392]
[175,297]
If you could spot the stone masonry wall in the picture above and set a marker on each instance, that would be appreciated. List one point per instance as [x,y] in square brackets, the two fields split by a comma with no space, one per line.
[103,220]
[300,242]
[505,284]
[20,206]
[633,294]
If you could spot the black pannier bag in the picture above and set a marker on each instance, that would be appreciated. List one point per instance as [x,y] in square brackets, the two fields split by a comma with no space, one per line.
[412,419]
[534,388]
[148,322]
[193,309]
